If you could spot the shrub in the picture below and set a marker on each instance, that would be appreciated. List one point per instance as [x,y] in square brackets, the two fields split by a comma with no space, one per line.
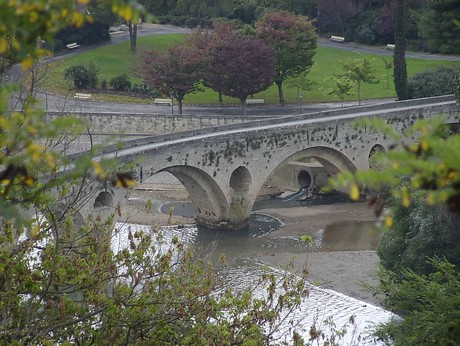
[420,231]
[104,84]
[83,76]
[439,81]
[145,90]
[120,82]
[429,304]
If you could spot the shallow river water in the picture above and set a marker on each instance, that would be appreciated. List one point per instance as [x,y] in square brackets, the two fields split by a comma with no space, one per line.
[318,307]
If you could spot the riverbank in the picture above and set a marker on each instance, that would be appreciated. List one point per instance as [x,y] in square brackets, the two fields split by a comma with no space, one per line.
[344,262]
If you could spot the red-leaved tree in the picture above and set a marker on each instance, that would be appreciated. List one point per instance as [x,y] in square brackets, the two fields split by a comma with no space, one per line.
[293,38]
[239,66]
[175,73]
[203,42]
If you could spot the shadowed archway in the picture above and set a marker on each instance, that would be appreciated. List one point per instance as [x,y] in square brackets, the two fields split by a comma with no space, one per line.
[209,202]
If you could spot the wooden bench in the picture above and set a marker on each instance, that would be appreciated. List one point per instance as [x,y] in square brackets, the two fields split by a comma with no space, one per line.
[81,96]
[255,101]
[163,101]
[73,45]
[337,39]
[390,46]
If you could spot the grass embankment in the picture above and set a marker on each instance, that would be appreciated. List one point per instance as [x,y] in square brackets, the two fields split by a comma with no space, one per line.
[116,59]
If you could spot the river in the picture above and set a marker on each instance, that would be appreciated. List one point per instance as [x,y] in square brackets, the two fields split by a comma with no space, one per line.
[324,307]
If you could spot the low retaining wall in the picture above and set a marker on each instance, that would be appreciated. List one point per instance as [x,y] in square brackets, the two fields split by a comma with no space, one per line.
[149,124]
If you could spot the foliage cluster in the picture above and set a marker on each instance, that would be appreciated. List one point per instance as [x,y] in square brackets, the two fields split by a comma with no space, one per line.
[439,81]
[358,72]
[429,305]
[176,73]
[75,289]
[120,82]
[439,26]
[419,232]
[83,76]
[294,40]
[430,24]
[232,63]
[87,34]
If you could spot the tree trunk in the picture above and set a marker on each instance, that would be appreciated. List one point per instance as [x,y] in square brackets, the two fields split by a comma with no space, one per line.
[133,35]
[280,91]
[220,97]
[179,104]
[400,67]
[359,94]
[243,106]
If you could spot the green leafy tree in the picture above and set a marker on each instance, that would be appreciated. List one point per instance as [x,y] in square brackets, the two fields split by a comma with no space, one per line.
[175,73]
[419,232]
[359,72]
[293,39]
[438,24]
[342,87]
[429,305]
[400,66]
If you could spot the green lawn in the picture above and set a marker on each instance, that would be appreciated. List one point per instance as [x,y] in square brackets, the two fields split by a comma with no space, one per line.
[116,59]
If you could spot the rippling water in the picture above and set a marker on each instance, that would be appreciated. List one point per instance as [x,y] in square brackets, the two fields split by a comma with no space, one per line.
[320,306]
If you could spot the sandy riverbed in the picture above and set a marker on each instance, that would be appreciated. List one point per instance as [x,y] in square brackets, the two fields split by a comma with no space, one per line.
[348,261]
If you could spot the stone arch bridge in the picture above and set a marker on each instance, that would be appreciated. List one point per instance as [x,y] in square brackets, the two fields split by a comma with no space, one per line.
[224,168]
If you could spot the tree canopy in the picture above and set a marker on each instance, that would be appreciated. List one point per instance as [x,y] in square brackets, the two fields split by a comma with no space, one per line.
[293,39]
[174,73]
[240,66]
[357,71]
[439,26]
[26,22]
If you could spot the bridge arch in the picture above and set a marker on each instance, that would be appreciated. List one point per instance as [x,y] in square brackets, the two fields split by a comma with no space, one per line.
[325,162]
[104,199]
[240,180]
[240,203]
[209,201]
[377,148]
[332,160]
[454,127]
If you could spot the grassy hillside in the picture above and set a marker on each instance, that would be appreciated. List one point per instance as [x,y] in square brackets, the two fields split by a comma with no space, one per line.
[116,59]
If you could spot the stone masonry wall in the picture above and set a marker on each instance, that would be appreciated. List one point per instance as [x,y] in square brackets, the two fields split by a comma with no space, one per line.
[149,124]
